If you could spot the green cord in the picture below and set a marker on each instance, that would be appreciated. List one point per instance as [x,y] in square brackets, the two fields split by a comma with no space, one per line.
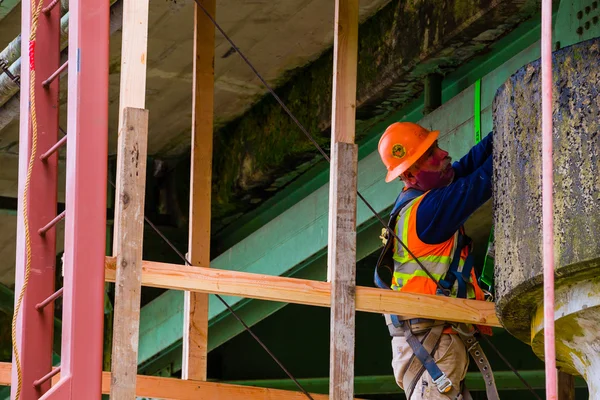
[477,111]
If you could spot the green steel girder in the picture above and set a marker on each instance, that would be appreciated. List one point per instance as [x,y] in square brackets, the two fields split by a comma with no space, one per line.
[386,384]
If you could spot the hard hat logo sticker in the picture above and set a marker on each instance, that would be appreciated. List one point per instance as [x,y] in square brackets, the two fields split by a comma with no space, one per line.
[398,151]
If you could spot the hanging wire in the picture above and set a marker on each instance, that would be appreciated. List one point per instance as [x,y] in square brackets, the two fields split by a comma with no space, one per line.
[509,365]
[241,321]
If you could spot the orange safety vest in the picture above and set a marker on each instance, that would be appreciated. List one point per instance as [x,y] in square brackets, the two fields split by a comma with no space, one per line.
[408,275]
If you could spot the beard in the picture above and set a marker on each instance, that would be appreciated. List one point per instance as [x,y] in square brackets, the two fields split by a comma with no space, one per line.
[428,180]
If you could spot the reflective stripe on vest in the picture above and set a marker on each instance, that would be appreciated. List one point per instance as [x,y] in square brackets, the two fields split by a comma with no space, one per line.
[408,275]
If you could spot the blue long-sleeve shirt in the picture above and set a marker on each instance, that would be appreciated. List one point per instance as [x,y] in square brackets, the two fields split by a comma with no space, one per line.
[443,211]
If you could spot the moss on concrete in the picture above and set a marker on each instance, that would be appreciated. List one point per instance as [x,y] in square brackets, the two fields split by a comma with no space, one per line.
[402,43]
[517,180]
[516,309]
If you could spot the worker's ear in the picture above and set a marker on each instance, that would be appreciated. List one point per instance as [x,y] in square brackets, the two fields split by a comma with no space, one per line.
[408,177]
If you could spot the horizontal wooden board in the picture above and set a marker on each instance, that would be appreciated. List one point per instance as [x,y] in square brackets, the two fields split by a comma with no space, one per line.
[315,293]
[177,389]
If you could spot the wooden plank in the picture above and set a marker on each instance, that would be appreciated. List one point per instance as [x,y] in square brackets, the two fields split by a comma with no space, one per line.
[128,241]
[342,202]
[5,373]
[342,269]
[345,56]
[177,389]
[134,55]
[195,322]
[566,386]
[303,291]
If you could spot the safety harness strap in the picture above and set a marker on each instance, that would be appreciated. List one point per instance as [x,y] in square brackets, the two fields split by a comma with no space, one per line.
[422,357]
[476,352]
[454,275]
[405,197]
[416,367]
[422,361]
[466,395]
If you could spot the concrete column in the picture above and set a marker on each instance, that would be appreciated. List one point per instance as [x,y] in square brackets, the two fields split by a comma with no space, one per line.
[518,210]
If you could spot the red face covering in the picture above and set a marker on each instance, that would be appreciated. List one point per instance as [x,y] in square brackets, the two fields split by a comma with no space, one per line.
[427,180]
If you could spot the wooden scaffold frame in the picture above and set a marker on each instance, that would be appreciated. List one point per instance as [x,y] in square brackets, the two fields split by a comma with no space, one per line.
[130,272]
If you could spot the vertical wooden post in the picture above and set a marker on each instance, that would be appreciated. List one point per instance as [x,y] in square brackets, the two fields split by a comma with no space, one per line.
[134,49]
[342,201]
[128,238]
[566,386]
[195,328]
[129,204]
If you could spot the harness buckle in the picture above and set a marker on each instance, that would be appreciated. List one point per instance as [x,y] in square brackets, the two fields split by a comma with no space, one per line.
[444,385]
[385,236]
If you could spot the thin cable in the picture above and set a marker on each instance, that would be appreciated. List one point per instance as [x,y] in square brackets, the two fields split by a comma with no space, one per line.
[246,327]
[309,136]
[488,341]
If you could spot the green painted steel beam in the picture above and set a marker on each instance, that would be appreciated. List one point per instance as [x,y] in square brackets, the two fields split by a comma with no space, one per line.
[386,384]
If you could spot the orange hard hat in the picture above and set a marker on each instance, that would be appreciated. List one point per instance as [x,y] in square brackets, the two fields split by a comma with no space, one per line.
[401,145]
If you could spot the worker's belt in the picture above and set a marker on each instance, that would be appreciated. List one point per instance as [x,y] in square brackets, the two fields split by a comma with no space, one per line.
[417,325]
[423,351]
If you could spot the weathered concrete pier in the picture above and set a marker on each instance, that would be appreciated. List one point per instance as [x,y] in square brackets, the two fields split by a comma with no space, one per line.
[518,208]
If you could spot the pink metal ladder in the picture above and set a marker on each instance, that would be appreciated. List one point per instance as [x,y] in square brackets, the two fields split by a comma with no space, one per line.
[85,198]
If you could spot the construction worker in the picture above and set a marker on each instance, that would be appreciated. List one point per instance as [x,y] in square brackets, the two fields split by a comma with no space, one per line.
[430,357]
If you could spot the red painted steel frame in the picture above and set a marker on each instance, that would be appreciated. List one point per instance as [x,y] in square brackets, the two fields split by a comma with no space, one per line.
[85,222]
[35,328]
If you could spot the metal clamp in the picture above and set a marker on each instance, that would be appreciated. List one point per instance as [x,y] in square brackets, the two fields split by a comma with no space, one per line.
[444,385]
[5,68]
